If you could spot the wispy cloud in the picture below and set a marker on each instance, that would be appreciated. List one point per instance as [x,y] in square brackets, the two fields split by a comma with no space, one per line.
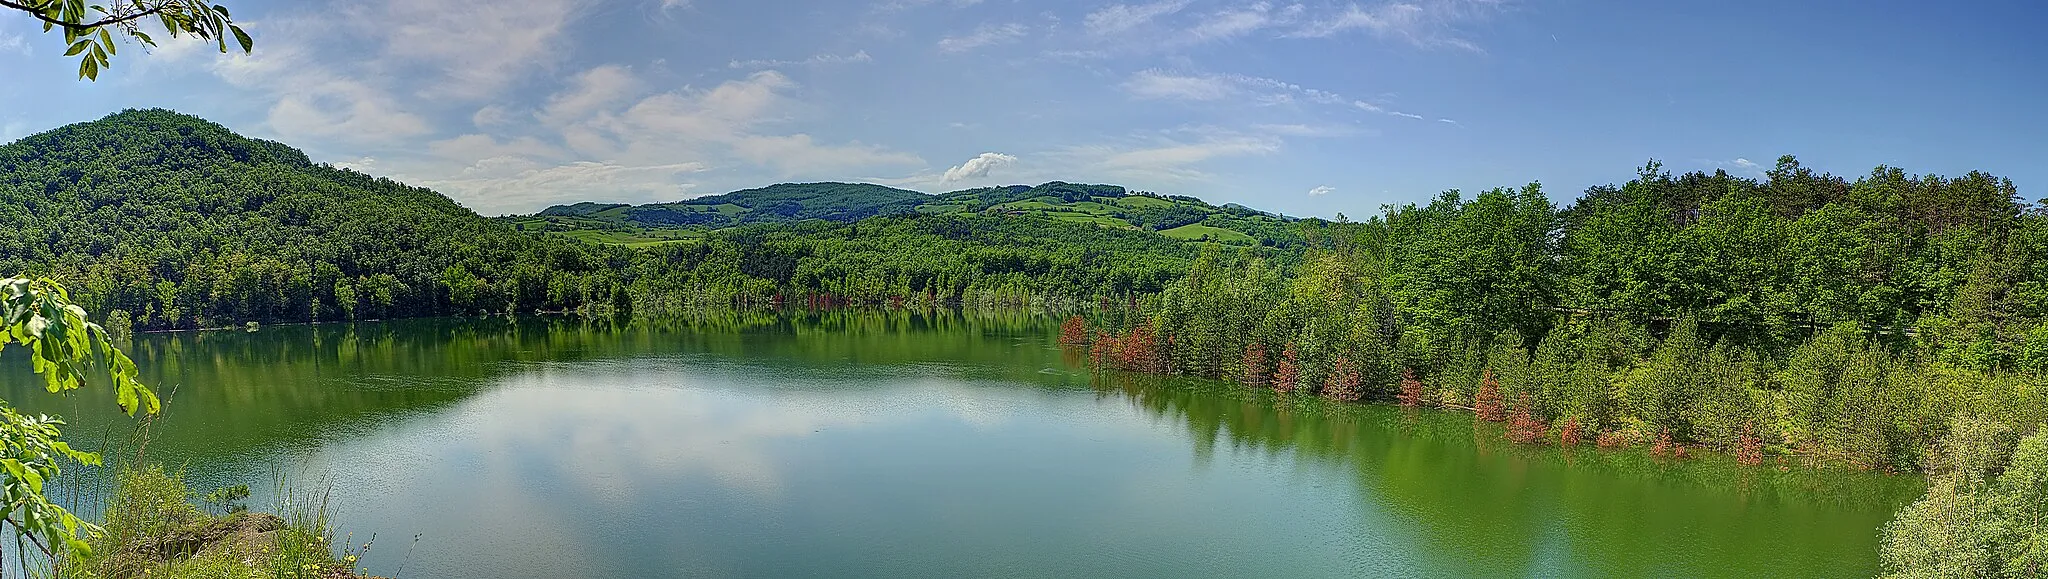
[815,60]
[1321,190]
[1423,23]
[13,43]
[1120,18]
[984,35]
[1165,158]
[606,135]
[1236,22]
[1154,84]
[1309,131]
[478,48]
[1161,85]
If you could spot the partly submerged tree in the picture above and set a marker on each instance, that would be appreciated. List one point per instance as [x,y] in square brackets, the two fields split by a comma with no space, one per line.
[89,29]
[66,349]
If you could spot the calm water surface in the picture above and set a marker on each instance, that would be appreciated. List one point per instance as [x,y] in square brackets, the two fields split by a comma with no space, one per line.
[895,445]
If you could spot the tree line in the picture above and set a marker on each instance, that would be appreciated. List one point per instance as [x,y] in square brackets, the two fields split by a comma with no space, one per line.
[1796,315]
[159,220]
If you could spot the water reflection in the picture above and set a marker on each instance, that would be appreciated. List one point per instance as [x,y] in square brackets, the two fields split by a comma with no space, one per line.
[901,443]
[1480,505]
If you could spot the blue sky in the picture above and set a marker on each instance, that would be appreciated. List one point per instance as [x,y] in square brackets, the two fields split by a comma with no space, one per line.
[1310,108]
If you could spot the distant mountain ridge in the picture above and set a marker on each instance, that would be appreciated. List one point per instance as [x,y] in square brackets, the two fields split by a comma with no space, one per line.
[1176,216]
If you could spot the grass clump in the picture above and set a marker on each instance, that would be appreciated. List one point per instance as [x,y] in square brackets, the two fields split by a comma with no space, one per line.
[154,529]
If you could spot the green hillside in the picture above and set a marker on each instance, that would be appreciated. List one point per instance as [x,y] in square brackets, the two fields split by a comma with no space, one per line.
[772,204]
[179,222]
[160,220]
[1176,217]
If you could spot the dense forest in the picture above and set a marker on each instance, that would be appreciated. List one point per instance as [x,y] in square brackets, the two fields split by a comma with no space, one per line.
[165,220]
[1803,314]
[1175,216]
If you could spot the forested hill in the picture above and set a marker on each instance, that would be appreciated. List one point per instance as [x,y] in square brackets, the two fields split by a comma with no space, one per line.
[180,221]
[773,204]
[1174,216]
[170,221]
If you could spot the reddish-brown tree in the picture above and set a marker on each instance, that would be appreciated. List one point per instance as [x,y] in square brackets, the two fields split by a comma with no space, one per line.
[1074,331]
[1487,403]
[1569,433]
[1663,445]
[1140,351]
[1411,389]
[1750,449]
[1288,375]
[1344,383]
[1610,439]
[1255,364]
[1103,350]
[1526,428]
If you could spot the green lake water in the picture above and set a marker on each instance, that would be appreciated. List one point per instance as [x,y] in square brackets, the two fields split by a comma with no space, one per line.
[915,445]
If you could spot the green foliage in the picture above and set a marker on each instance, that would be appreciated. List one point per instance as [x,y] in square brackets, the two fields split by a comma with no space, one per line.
[89,30]
[228,499]
[782,203]
[1177,217]
[184,224]
[65,349]
[1985,513]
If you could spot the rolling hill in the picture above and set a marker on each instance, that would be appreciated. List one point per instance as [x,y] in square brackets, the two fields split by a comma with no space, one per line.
[1174,216]
[160,220]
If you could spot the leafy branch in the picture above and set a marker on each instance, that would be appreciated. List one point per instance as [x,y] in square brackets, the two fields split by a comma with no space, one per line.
[86,27]
[64,348]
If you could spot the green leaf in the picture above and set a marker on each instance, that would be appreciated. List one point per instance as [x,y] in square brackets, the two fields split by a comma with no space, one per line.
[243,38]
[78,47]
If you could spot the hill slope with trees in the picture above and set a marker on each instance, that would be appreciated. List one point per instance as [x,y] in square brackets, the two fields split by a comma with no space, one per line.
[1178,217]
[162,220]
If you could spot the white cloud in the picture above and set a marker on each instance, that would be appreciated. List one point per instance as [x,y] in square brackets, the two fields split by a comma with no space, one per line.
[13,130]
[978,167]
[1155,84]
[1739,166]
[801,154]
[477,146]
[1423,23]
[1164,159]
[815,60]
[491,116]
[476,48]
[609,139]
[1301,130]
[1321,190]
[323,88]
[1231,23]
[1121,18]
[984,35]
[499,184]
[594,89]
[14,43]
[1161,85]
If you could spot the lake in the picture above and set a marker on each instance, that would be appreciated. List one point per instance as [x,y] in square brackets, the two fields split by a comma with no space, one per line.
[852,444]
